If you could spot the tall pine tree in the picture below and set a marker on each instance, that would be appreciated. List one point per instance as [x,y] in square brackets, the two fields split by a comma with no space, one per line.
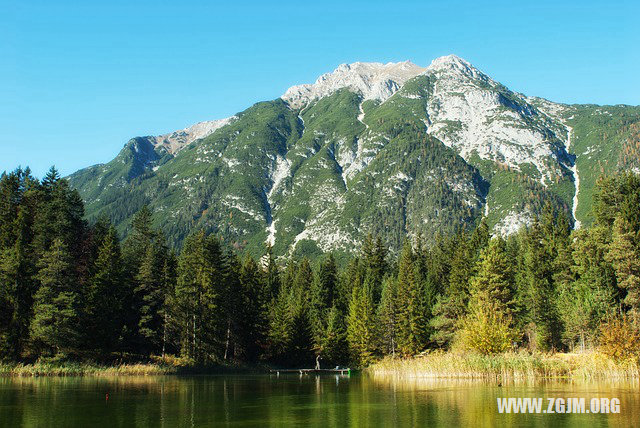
[55,327]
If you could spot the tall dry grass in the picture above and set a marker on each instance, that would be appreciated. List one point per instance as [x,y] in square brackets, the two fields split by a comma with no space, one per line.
[522,365]
[85,369]
[157,366]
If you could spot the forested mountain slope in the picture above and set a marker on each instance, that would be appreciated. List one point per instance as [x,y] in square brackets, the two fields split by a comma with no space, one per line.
[389,149]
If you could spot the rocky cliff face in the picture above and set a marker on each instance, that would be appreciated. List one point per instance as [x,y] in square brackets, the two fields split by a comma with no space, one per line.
[393,149]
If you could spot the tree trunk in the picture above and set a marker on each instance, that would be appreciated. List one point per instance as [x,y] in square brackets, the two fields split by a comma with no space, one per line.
[193,345]
[164,335]
[226,347]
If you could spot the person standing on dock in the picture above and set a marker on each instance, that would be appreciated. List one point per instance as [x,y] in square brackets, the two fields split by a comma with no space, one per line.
[317,362]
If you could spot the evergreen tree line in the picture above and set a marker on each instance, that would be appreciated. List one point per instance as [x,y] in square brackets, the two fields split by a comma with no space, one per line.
[69,289]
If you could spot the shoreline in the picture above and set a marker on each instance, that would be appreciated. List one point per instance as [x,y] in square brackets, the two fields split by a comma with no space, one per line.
[591,365]
[80,369]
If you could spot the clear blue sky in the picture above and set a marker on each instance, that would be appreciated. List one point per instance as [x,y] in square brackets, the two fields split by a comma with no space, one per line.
[79,78]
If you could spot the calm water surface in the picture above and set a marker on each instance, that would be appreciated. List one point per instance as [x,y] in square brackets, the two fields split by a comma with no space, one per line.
[291,400]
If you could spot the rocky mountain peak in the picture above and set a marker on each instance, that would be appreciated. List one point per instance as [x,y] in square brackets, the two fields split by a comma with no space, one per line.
[175,141]
[456,65]
[373,80]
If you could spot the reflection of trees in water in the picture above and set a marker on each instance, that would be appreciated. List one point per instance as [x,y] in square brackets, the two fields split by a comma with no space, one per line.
[473,402]
[326,401]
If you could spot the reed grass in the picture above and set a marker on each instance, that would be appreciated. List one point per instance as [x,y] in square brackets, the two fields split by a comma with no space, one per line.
[591,365]
[85,369]
[156,366]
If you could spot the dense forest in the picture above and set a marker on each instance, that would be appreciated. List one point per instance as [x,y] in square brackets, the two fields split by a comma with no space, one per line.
[73,290]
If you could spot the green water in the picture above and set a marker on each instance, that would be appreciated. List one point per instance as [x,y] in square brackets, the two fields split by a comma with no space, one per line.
[291,400]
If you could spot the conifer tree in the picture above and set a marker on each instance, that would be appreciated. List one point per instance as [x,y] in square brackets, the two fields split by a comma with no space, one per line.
[231,296]
[280,321]
[493,280]
[17,287]
[271,273]
[451,306]
[323,295]
[441,254]
[585,302]
[55,326]
[58,215]
[150,292]
[374,255]
[488,327]
[624,255]
[361,322]
[413,327]
[141,236]
[302,331]
[253,310]
[352,277]
[479,239]
[104,319]
[333,345]
[539,294]
[388,316]
[201,316]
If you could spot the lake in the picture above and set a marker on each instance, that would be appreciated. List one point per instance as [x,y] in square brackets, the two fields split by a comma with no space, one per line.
[292,400]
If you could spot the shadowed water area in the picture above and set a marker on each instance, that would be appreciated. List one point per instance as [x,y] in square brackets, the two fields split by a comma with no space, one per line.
[293,400]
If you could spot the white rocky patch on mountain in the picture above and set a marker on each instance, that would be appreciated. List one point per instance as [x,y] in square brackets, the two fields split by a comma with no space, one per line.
[465,109]
[512,222]
[175,141]
[576,181]
[551,109]
[467,112]
[372,80]
[279,172]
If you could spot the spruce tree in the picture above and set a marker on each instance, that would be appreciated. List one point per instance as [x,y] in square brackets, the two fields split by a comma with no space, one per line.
[451,306]
[388,316]
[413,326]
[584,303]
[301,328]
[323,295]
[253,310]
[280,320]
[493,280]
[150,292]
[231,296]
[352,277]
[333,345]
[271,273]
[362,322]
[201,317]
[59,215]
[104,318]
[624,255]
[374,257]
[17,287]
[539,294]
[488,326]
[55,328]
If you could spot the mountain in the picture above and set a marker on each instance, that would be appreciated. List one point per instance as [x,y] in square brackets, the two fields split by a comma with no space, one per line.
[392,149]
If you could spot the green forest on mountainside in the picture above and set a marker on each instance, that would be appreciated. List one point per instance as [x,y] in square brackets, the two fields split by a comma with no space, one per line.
[409,182]
[73,290]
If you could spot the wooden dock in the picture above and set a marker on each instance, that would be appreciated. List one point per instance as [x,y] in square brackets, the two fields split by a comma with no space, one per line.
[346,371]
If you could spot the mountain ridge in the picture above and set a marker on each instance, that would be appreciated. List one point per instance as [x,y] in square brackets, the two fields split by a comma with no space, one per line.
[393,149]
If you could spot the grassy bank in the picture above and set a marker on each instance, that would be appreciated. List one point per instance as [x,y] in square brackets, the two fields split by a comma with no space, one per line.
[86,369]
[588,366]
[157,367]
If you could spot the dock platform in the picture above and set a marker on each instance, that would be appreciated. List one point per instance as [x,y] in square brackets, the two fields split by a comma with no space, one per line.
[346,371]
